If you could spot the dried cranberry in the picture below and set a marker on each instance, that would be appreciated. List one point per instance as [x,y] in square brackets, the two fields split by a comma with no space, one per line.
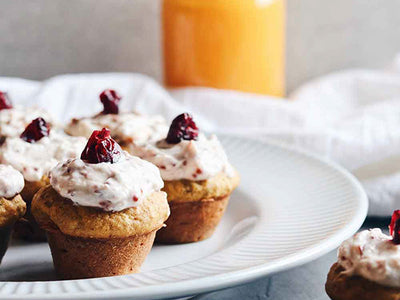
[182,128]
[5,102]
[37,129]
[101,148]
[394,227]
[110,100]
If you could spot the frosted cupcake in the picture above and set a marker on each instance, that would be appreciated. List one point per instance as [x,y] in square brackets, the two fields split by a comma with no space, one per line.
[13,120]
[126,127]
[34,153]
[101,212]
[368,266]
[12,207]
[198,180]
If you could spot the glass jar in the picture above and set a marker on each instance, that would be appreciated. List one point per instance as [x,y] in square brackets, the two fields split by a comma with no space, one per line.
[227,44]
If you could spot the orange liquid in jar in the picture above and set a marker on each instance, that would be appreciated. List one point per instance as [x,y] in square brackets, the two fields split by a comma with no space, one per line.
[227,44]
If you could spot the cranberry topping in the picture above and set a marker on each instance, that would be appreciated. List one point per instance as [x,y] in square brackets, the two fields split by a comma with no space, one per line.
[110,100]
[182,128]
[5,102]
[101,148]
[37,129]
[394,227]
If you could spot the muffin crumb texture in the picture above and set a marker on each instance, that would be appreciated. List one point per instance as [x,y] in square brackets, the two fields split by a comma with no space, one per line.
[76,258]
[340,286]
[181,227]
[189,190]
[11,210]
[54,212]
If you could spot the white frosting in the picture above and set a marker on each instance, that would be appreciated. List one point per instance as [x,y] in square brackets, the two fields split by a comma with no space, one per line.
[34,160]
[11,181]
[13,121]
[124,127]
[372,255]
[194,160]
[110,186]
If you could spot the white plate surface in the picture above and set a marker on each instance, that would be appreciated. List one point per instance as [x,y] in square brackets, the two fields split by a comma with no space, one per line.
[289,209]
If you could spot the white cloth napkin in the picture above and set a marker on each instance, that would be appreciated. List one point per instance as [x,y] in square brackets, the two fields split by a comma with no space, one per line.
[351,117]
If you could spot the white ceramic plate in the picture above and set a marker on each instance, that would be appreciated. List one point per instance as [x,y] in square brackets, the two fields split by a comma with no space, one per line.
[289,209]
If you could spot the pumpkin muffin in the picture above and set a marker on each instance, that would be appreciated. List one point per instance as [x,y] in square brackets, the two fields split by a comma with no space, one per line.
[12,207]
[368,266]
[101,212]
[34,153]
[126,127]
[198,180]
[14,119]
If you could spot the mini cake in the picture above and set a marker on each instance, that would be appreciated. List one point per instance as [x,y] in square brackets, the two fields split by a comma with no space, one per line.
[198,180]
[34,153]
[125,127]
[101,212]
[368,266]
[13,120]
[12,207]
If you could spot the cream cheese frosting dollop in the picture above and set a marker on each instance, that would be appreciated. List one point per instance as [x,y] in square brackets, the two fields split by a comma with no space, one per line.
[124,127]
[109,186]
[11,182]
[372,255]
[34,160]
[14,120]
[198,159]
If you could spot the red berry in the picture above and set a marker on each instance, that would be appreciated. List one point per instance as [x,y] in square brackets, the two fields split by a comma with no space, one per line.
[110,100]
[101,148]
[182,128]
[37,129]
[394,227]
[5,102]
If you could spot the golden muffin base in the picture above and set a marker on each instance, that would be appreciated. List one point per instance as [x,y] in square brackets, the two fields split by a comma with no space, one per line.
[76,258]
[192,221]
[31,188]
[188,190]
[196,208]
[339,286]
[51,211]
[10,211]
[87,242]
[27,228]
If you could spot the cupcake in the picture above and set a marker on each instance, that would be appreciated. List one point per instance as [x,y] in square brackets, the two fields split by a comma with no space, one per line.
[101,212]
[126,127]
[34,153]
[198,180]
[368,266]
[13,120]
[12,207]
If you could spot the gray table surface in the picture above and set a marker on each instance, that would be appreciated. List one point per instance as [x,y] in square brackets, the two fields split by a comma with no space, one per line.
[304,283]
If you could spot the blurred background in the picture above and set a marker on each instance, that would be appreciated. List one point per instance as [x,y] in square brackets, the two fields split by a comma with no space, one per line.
[43,38]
